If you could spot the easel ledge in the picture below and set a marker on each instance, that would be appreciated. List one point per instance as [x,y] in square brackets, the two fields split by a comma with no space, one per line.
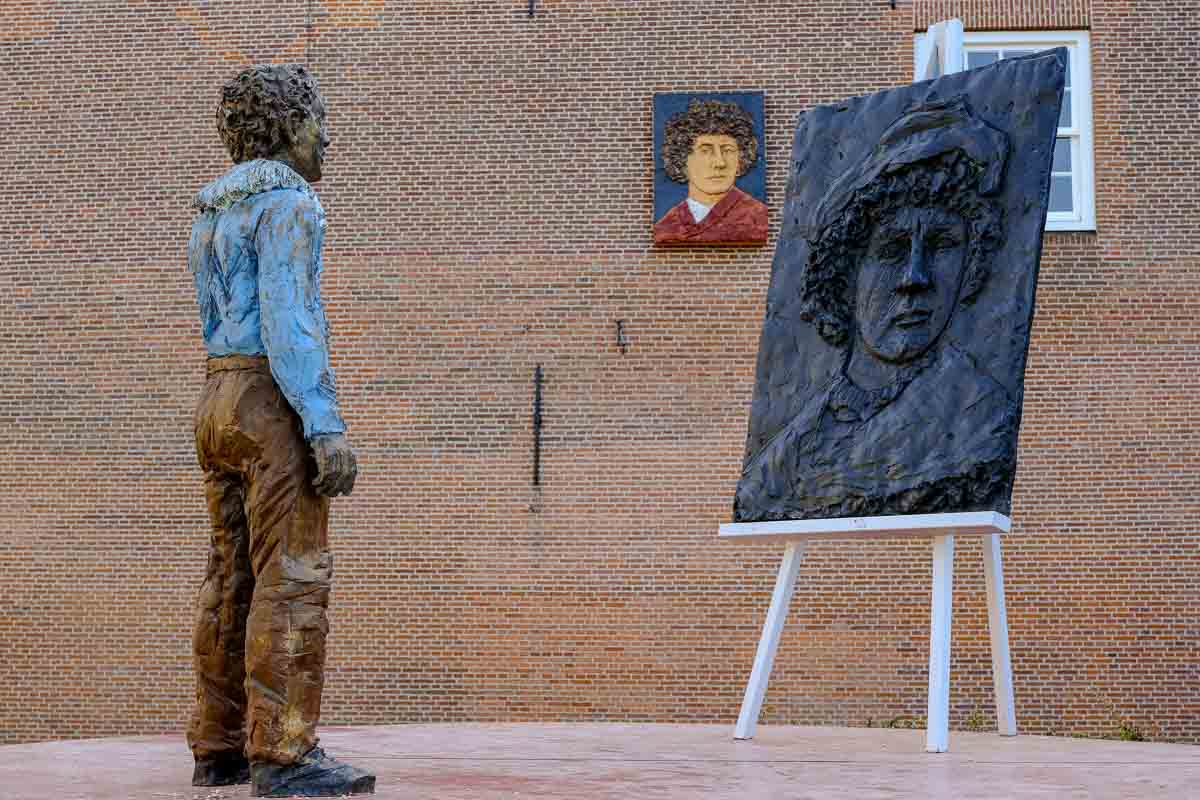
[967,523]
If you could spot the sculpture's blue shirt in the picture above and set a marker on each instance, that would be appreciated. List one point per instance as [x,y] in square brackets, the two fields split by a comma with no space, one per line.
[255,254]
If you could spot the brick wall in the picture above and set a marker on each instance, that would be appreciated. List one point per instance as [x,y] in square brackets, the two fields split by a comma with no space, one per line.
[1005,15]
[489,201]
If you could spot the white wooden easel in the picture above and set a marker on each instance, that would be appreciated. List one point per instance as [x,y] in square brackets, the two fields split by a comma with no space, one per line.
[938,52]
[942,528]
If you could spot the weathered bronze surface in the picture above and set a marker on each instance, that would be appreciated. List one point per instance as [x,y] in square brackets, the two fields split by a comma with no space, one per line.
[891,364]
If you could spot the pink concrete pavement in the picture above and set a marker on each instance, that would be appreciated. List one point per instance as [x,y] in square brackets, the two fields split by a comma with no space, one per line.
[636,762]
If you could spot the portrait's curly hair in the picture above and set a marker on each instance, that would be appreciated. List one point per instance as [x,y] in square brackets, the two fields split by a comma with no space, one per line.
[256,105]
[950,181]
[707,117]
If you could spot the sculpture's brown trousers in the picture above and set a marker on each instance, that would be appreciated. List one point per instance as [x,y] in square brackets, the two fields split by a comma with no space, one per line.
[259,647]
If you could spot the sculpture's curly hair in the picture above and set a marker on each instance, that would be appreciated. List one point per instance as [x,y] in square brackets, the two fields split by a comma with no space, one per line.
[950,181]
[256,105]
[707,117]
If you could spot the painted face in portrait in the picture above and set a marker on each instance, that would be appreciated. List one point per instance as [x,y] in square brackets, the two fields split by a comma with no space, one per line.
[712,167]
[908,282]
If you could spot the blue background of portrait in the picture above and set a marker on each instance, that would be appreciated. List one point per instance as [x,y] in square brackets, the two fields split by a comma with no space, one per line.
[667,193]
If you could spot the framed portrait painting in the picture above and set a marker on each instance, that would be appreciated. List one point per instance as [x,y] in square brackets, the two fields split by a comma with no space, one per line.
[710,171]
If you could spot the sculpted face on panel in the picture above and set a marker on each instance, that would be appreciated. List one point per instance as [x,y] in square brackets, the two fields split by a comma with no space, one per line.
[881,389]
[908,281]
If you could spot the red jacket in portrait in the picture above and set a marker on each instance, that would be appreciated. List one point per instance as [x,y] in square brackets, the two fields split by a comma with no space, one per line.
[737,219]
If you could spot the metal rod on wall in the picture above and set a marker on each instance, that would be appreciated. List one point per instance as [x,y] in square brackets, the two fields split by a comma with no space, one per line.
[537,425]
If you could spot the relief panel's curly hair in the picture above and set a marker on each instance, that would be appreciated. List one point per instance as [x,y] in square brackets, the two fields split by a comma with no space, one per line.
[948,181]
[707,117]
[256,105]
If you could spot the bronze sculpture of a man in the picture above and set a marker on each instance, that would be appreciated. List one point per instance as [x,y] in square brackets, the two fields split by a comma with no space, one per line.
[271,441]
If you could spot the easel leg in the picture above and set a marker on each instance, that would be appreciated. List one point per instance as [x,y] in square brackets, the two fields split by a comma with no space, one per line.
[785,583]
[993,570]
[937,734]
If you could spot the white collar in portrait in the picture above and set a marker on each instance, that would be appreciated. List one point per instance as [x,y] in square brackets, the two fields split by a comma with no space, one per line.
[698,209]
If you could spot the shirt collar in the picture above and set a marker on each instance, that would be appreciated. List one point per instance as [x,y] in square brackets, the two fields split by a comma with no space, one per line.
[250,178]
[699,210]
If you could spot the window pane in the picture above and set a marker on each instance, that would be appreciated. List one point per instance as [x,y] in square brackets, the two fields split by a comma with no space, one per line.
[1061,194]
[981,58]
[1062,156]
[1064,116]
[1071,200]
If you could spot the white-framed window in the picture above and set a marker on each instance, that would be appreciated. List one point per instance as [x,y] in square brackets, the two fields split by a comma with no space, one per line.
[1072,194]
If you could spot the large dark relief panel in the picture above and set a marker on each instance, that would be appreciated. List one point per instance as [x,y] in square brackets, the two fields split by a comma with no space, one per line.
[892,359]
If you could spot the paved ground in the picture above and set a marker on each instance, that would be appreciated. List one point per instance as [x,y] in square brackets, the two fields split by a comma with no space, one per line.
[640,762]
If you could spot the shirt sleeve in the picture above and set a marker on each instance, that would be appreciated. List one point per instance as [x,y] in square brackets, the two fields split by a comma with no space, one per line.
[294,329]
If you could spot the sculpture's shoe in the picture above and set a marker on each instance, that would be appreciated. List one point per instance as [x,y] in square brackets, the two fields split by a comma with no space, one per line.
[314,775]
[227,769]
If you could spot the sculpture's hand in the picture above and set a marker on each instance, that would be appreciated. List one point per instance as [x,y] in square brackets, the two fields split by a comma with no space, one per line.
[336,465]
